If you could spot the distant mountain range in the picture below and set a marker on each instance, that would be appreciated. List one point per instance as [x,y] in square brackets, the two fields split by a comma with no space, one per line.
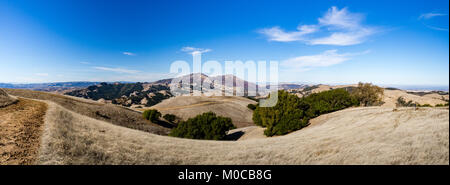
[50,87]
[151,93]
[126,94]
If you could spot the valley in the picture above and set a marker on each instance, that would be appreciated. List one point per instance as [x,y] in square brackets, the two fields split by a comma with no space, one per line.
[72,130]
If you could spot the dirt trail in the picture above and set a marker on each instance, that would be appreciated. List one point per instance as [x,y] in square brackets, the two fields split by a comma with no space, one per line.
[20,131]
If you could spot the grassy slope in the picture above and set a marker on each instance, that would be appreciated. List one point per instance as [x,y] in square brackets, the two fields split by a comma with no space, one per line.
[191,106]
[20,131]
[354,136]
[390,98]
[110,113]
[5,99]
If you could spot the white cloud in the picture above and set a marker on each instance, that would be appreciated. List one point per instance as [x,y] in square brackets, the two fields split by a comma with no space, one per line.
[277,34]
[117,70]
[129,53]
[430,15]
[41,74]
[85,63]
[344,38]
[341,19]
[194,51]
[327,58]
[344,28]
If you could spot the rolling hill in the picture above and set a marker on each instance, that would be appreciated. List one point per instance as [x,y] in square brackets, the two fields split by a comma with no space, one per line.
[371,135]
[190,106]
[110,113]
[80,131]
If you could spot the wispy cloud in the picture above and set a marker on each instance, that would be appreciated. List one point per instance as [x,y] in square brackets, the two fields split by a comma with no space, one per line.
[194,51]
[327,58]
[129,53]
[343,27]
[430,15]
[437,28]
[344,38]
[117,70]
[277,34]
[424,18]
[41,74]
[87,63]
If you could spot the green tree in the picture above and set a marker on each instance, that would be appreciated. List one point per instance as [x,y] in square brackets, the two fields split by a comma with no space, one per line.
[170,117]
[204,126]
[368,94]
[293,113]
[284,117]
[152,114]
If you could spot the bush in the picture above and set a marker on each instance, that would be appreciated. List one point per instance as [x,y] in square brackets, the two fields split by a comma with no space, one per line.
[152,114]
[170,117]
[424,105]
[251,106]
[204,126]
[292,113]
[368,94]
[401,102]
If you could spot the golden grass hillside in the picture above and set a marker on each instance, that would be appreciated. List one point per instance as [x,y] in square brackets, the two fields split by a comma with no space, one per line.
[190,106]
[390,98]
[5,99]
[370,135]
[111,113]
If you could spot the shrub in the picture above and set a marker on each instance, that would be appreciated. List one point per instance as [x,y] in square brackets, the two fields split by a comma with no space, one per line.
[424,105]
[152,114]
[292,113]
[251,106]
[401,102]
[368,94]
[204,126]
[170,117]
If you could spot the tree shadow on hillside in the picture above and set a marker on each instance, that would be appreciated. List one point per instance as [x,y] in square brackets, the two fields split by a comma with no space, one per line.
[234,136]
[164,124]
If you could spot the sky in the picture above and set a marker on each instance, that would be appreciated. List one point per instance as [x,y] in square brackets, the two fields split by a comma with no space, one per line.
[402,42]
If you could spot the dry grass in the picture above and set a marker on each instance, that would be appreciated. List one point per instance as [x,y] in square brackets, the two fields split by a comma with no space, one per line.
[371,135]
[5,99]
[190,106]
[111,113]
[20,131]
[390,98]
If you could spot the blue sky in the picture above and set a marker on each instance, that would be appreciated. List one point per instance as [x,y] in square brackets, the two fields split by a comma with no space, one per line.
[330,41]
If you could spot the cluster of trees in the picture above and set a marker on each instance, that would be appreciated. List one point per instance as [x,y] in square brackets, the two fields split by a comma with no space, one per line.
[293,113]
[204,126]
[154,115]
